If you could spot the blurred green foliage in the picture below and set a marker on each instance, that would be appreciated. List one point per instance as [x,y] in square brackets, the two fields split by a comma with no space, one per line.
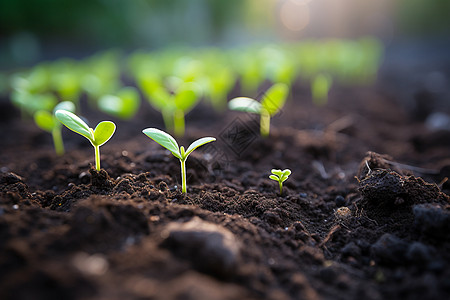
[173,80]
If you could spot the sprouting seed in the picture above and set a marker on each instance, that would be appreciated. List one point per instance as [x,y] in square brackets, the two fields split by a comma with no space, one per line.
[168,142]
[98,136]
[280,176]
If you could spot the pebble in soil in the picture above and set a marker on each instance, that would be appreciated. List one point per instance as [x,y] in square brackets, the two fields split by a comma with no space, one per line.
[211,248]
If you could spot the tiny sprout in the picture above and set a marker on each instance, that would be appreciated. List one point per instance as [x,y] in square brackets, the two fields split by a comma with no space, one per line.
[280,177]
[320,86]
[47,121]
[98,136]
[272,102]
[168,142]
[173,107]
[124,104]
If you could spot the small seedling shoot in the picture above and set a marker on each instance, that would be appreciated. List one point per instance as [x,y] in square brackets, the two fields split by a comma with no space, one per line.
[271,103]
[173,107]
[98,136]
[320,86]
[280,176]
[48,122]
[168,142]
[124,104]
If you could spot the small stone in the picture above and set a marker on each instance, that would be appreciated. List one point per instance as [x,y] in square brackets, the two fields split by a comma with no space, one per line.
[211,248]
[340,201]
[15,207]
[85,177]
[95,264]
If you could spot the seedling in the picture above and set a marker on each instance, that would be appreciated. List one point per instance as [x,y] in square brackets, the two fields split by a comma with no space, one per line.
[124,104]
[320,86]
[280,177]
[271,103]
[173,107]
[98,136]
[168,142]
[48,122]
[217,86]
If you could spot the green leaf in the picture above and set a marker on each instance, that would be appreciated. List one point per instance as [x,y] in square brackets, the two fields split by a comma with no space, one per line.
[287,172]
[124,105]
[103,132]
[148,83]
[245,104]
[198,143]
[285,175]
[274,98]
[186,97]
[110,104]
[273,177]
[44,120]
[276,172]
[160,99]
[65,105]
[74,123]
[164,139]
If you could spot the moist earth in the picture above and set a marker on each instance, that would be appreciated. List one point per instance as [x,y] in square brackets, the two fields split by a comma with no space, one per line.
[364,215]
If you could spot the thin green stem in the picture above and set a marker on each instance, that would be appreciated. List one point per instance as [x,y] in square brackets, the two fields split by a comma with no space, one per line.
[183,176]
[178,122]
[167,118]
[97,157]
[281,187]
[57,140]
[265,123]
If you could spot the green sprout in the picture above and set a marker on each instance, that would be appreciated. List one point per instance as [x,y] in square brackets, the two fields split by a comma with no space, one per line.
[98,136]
[48,122]
[271,103]
[173,107]
[168,142]
[320,86]
[124,104]
[280,177]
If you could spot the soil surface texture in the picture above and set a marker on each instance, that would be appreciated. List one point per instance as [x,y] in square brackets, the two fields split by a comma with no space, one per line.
[365,213]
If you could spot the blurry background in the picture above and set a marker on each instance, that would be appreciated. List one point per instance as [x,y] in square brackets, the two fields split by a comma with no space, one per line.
[33,30]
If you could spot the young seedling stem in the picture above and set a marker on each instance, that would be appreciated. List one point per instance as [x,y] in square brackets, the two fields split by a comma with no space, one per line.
[98,136]
[280,176]
[168,142]
[272,102]
[47,121]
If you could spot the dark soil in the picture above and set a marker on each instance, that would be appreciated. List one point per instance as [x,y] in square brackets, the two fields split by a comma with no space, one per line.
[354,221]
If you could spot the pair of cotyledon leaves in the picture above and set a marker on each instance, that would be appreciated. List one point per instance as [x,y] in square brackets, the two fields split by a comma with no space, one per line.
[280,175]
[184,98]
[104,131]
[272,101]
[98,136]
[168,142]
